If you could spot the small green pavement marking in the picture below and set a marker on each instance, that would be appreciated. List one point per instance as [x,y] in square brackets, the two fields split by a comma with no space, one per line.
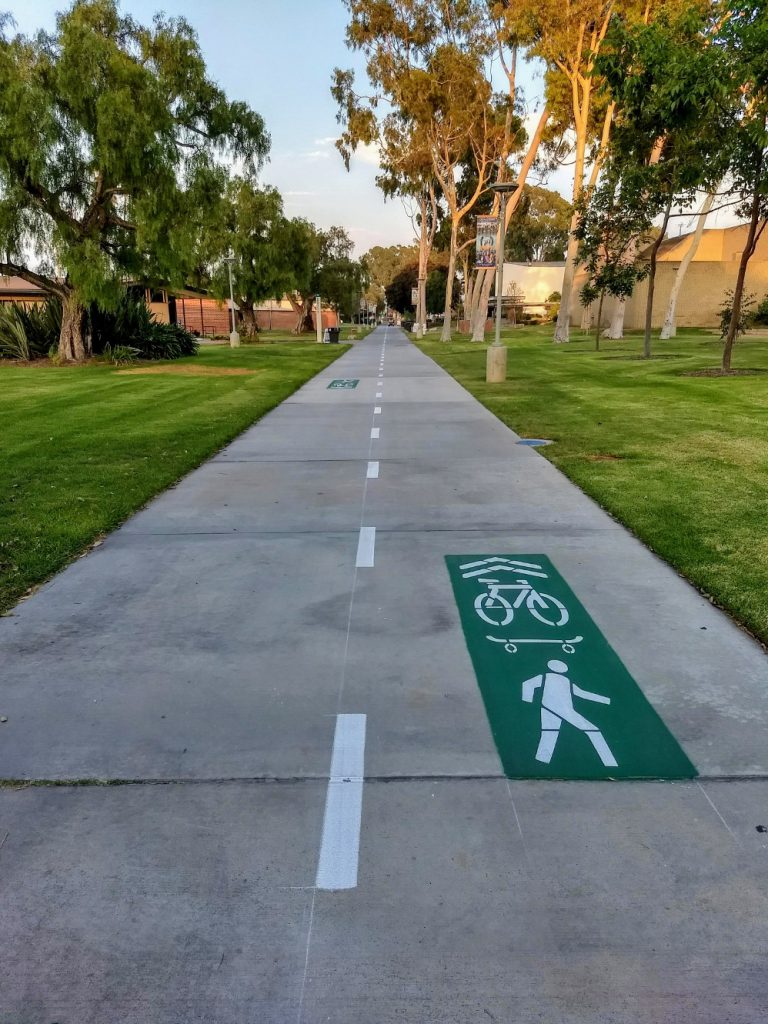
[348,382]
[560,703]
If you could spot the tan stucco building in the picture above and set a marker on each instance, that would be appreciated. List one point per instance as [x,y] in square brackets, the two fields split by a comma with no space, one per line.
[711,274]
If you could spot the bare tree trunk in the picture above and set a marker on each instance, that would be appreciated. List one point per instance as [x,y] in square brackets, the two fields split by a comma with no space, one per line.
[563,327]
[446,332]
[738,291]
[485,278]
[616,327]
[74,340]
[599,321]
[668,329]
[652,282]
[482,296]
[469,286]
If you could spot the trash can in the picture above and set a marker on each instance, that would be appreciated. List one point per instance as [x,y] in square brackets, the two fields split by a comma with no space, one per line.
[334,333]
[326,336]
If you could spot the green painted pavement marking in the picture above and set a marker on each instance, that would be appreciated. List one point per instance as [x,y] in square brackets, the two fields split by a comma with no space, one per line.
[560,703]
[348,382]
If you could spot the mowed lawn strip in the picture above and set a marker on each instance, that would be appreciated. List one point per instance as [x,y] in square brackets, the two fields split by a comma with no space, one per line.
[682,461]
[85,447]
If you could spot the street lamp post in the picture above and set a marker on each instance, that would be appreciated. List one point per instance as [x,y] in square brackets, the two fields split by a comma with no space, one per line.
[496,359]
[234,337]
[319,319]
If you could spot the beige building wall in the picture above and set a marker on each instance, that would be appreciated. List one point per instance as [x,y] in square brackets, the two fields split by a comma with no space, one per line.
[711,274]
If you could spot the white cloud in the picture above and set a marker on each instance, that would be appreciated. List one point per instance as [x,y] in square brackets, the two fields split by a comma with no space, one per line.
[368,154]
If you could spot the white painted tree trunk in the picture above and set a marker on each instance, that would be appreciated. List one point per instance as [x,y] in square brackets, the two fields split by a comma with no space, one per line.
[481,299]
[668,328]
[445,334]
[615,329]
[563,327]
[586,318]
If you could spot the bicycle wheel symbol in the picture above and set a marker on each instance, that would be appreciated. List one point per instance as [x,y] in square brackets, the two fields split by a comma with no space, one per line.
[495,610]
[546,609]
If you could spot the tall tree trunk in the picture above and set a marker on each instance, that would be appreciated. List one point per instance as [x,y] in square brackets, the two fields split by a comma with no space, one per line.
[421,287]
[74,340]
[586,318]
[616,327]
[749,248]
[669,329]
[446,332]
[484,279]
[599,321]
[562,329]
[469,286]
[482,296]
[652,282]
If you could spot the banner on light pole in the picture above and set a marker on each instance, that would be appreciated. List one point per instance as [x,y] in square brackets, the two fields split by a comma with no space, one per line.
[414,296]
[487,239]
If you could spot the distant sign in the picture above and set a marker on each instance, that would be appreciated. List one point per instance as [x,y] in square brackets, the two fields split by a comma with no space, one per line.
[485,246]
[344,382]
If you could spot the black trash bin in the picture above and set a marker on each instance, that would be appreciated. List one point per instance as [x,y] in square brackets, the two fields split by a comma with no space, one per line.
[334,334]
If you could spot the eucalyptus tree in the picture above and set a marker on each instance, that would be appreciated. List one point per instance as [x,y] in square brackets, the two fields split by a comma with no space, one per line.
[110,133]
[426,61]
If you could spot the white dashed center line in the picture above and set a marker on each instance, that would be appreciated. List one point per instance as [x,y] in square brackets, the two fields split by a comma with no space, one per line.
[366,546]
[340,846]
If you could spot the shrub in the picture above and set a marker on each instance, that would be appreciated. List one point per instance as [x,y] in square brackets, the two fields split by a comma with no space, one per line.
[133,325]
[120,355]
[28,332]
[13,338]
[745,315]
[760,316]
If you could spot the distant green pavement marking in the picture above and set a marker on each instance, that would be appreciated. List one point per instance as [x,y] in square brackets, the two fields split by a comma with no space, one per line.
[560,703]
[348,382]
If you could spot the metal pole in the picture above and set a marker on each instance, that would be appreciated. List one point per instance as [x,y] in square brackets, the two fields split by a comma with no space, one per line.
[500,267]
[319,320]
[234,337]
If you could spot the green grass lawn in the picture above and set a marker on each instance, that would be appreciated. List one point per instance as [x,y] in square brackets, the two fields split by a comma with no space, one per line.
[84,447]
[682,461]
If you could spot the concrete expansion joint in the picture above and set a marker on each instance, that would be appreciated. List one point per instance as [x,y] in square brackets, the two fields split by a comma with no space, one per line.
[311,779]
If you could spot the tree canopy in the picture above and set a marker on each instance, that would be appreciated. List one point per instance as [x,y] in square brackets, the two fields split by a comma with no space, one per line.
[111,141]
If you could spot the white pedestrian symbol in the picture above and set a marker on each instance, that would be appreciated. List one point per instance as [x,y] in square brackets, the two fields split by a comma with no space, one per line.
[557,707]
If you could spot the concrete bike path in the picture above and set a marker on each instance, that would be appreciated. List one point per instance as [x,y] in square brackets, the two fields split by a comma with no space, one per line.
[285,614]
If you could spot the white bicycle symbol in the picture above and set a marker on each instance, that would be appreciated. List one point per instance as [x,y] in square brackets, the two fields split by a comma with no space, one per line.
[495,609]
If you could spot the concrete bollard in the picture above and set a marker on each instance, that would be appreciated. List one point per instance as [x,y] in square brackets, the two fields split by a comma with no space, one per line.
[496,364]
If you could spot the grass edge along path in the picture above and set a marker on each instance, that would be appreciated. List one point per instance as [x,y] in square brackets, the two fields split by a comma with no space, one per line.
[681,461]
[84,448]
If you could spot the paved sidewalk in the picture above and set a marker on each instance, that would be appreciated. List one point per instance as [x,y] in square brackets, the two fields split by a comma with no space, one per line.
[249,635]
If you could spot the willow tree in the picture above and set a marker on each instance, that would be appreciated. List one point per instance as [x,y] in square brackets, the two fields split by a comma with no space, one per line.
[111,136]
